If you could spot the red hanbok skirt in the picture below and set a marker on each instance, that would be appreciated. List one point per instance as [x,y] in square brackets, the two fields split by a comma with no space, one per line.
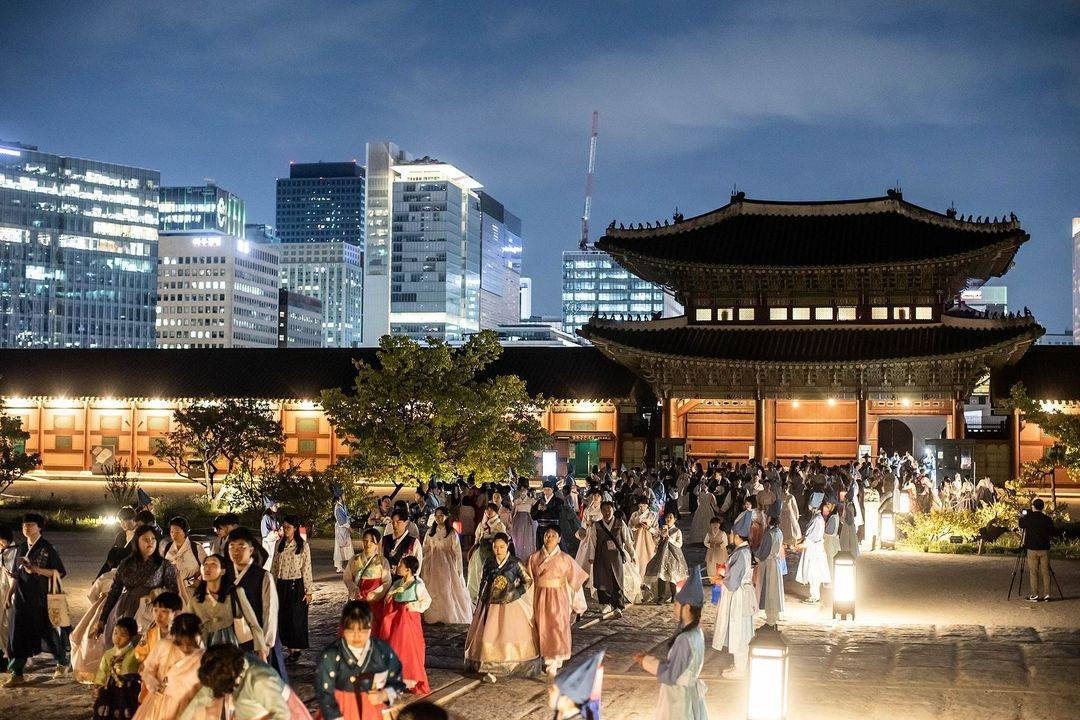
[366,586]
[355,709]
[403,631]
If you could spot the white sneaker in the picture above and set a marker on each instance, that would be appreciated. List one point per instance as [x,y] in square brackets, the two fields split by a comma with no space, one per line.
[605,609]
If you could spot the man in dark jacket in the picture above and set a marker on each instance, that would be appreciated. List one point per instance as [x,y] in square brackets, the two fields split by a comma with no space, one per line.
[1038,530]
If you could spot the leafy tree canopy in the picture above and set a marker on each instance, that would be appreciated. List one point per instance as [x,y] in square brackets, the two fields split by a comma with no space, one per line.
[1063,427]
[424,412]
[14,460]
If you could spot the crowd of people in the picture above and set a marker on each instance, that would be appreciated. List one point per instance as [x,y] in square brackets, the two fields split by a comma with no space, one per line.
[177,629]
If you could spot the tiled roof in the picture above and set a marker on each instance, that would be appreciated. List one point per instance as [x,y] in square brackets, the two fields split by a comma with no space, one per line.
[1049,372]
[814,344]
[774,234]
[582,373]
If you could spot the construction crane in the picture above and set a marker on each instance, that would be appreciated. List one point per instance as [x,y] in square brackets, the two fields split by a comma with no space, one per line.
[584,244]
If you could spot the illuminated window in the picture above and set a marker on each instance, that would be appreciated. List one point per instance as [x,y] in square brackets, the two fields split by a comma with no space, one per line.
[64,422]
[724,314]
[305,447]
[778,313]
[307,425]
[112,441]
[879,313]
[901,313]
[62,442]
[800,313]
[845,313]
[110,422]
[924,313]
[159,423]
[823,313]
[746,313]
[703,314]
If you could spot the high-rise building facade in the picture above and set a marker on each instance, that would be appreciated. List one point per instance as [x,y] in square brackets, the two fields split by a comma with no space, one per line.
[321,226]
[379,200]
[500,272]
[216,290]
[299,320]
[78,251]
[261,233]
[593,282]
[333,273]
[525,298]
[1076,279]
[201,207]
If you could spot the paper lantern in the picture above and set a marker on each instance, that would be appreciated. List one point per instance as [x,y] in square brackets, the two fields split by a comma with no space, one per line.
[767,686]
[843,586]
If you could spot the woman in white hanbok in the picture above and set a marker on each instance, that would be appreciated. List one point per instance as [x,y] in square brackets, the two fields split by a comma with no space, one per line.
[738,605]
[706,511]
[87,648]
[442,574]
[814,563]
[591,514]
[645,528]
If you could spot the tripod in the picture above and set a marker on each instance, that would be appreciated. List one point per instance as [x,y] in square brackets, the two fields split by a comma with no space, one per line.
[1018,569]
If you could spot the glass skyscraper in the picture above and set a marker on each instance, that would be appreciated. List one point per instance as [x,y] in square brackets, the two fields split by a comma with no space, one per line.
[201,207]
[592,282]
[320,223]
[500,273]
[78,251]
[381,158]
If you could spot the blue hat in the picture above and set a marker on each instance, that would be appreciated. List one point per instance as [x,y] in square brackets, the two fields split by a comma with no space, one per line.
[268,502]
[144,499]
[816,499]
[336,489]
[743,523]
[578,683]
[551,482]
[691,593]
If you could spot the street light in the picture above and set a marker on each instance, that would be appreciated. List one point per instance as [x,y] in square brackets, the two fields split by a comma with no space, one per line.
[843,600]
[767,687]
[903,502]
[888,527]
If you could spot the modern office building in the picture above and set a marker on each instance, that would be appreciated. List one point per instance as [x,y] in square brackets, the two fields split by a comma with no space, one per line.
[536,333]
[379,201]
[201,207]
[993,299]
[593,282]
[525,298]
[261,233]
[500,269]
[1062,338]
[332,273]
[78,251]
[320,223]
[215,288]
[299,320]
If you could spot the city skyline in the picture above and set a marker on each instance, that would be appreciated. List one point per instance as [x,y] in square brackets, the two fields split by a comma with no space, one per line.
[691,104]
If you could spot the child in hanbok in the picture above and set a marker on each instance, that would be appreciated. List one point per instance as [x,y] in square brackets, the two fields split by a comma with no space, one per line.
[489,527]
[738,602]
[502,636]
[668,566]
[358,675]
[368,575]
[402,628]
[682,694]
[171,671]
[240,686]
[165,608]
[814,563]
[118,674]
[443,570]
[645,527]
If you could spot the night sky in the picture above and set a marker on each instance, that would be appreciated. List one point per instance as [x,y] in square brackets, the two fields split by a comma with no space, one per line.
[976,104]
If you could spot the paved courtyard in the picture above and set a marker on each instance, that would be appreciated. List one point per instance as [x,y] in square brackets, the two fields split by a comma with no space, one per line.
[935,638]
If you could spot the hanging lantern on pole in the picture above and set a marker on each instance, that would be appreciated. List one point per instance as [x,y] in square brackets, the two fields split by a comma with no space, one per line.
[767,685]
[843,600]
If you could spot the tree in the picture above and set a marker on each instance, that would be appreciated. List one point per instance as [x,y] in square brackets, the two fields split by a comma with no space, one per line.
[244,433]
[1064,428]
[119,482]
[424,412]
[14,460]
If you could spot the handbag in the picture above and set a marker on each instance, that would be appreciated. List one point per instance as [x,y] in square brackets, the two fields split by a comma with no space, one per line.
[59,612]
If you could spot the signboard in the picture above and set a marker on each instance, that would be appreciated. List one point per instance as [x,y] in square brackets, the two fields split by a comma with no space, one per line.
[101,456]
[864,450]
[548,462]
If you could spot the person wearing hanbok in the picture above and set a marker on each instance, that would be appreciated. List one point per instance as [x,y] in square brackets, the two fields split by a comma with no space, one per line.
[502,637]
[506,515]
[645,528]
[343,547]
[166,607]
[771,560]
[611,550]
[443,570]
[221,607]
[831,538]
[183,553]
[86,647]
[667,568]
[358,675]
[7,574]
[576,691]
[170,674]
[261,591]
[117,677]
[139,578]
[402,628]
[589,514]
[523,527]
[368,575]
[270,530]
[291,568]
[490,526]
[240,686]
[557,582]
[814,564]
[682,693]
[738,602]
[716,548]
[849,526]
[706,511]
[789,518]
[403,539]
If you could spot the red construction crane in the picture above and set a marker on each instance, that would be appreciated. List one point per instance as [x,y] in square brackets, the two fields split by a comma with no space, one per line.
[584,244]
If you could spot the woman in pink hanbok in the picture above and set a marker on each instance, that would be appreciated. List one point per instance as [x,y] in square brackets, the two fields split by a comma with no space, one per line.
[557,578]
[442,573]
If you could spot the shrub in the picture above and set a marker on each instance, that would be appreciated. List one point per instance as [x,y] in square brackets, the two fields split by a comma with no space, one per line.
[310,495]
[922,531]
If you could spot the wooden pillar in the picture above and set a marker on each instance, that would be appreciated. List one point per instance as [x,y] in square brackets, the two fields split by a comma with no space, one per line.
[616,454]
[666,408]
[134,440]
[759,427]
[862,431]
[86,434]
[1015,443]
[41,430]
[957,419]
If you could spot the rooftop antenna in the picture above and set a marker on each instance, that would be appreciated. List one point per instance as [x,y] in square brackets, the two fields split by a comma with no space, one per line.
[584,244]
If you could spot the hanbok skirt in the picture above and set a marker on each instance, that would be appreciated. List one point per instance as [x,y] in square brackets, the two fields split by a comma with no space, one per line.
[343,547]
[832,546]
[523,534]
[682,702]
[450,603]
[480,555]
[771,589]
[86,650]
[502,639]
[849,539]
[668,564]
[644,545]
[735,619]
[269,544]
[354,706]
[118,699]
[813,566]
[631,585]
[292,614]
[699,526]
[366,586]
[467,518]
[553,606]
[403,631]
